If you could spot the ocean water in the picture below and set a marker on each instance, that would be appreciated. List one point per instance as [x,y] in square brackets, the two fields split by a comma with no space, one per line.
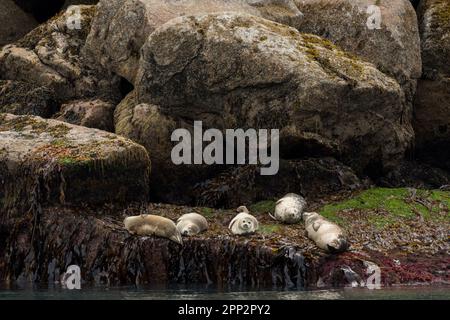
[142,293]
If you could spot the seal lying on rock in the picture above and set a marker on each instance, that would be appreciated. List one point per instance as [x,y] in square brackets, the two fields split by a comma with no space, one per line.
[243,223]
[151,225]
[289,209]
[191,224]
[327,235]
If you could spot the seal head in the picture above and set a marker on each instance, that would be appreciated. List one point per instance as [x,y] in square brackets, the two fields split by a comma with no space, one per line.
[191,224]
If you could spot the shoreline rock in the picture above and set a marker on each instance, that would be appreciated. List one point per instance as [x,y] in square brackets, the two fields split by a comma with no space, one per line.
[48,161]
[278,256]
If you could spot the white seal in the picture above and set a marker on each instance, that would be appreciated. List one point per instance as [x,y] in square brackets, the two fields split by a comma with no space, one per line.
[289,209]
[151,225]
[244,223]
[327,235]
[191,224]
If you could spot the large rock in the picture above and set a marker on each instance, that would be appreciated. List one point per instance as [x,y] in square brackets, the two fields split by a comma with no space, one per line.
[48,161]
[121,28]
[241,71]
[394,48]
[23,98]
[95,113]
[49,56]
[434,18]
[270,76]
[14,22]
[147,125]
[432,104]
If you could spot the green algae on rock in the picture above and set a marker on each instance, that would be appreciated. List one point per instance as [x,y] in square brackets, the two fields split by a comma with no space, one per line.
[62,163]
[397,204]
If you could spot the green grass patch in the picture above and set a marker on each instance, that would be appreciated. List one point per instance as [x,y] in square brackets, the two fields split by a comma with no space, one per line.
[269,228]
[263,207]
[206,212]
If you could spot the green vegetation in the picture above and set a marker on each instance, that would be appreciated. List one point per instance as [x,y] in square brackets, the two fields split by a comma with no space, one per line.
[383,206]
[263,207]
[207,212]
[269,228]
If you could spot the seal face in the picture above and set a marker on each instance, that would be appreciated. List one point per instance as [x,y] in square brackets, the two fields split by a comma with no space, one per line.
[289,209]
[151,225]
[327,235]
[244,223]
[191,224]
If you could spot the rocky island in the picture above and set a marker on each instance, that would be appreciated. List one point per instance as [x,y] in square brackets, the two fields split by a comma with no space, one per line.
[91,91]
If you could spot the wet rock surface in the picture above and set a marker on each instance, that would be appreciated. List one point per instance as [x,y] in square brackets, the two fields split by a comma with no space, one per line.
[312,177]
[278,256]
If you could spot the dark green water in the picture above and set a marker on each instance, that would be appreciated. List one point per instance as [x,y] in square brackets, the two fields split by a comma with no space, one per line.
[132,293]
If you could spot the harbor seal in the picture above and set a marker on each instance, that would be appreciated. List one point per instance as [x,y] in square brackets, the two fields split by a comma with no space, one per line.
[327,235]
[191,224]
[151,225]
[289,209]
[244,223]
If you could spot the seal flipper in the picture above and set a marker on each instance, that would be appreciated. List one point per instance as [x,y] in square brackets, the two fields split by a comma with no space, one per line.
[177,238]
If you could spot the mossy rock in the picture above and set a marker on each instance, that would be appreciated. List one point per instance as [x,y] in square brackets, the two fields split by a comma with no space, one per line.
[396,205]
[48,161]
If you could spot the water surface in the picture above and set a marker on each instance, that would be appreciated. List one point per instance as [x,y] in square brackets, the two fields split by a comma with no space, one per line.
[133,293]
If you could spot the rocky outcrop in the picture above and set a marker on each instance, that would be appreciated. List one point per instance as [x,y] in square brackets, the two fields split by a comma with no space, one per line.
[121,27]
[96,113]
[23,98]
[49,56]
[391,41]
[15,23]
[415,174]
[271,76]
[48,161]
[432,105]
[394,46]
